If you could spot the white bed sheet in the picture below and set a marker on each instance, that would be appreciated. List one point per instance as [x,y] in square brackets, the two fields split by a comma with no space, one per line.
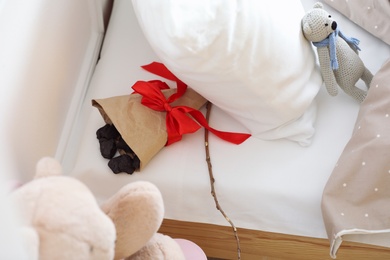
[263,185]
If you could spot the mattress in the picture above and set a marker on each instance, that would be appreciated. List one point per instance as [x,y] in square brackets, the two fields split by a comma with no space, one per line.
[274,186]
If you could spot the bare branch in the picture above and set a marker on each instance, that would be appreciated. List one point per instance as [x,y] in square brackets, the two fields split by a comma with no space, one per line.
[212,181]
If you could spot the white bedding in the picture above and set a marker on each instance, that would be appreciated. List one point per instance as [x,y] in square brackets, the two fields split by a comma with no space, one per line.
[264,185]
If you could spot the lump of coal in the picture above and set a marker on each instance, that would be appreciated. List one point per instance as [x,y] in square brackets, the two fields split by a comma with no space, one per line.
[122,145]
[110,142]
[107,148]
[136,162]
[107,132]
[122,163]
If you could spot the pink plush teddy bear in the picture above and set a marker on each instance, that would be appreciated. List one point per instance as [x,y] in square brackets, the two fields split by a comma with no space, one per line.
[61,219]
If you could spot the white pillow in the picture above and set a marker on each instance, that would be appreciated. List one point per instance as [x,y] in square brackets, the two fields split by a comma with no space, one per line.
[247,57]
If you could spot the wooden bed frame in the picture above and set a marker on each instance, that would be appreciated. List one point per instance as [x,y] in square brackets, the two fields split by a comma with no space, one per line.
[219,242]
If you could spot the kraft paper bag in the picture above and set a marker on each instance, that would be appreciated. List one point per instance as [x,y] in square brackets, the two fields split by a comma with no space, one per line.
[142,128]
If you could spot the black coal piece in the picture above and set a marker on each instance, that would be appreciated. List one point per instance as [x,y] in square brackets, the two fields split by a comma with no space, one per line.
[107,148]
[107,132]
[122,163]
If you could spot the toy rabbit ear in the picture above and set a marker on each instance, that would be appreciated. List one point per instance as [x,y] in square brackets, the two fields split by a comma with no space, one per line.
[47,166]
[318,5]
[306,29]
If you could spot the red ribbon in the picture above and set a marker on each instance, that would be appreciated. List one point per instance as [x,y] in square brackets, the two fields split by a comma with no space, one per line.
[177,120]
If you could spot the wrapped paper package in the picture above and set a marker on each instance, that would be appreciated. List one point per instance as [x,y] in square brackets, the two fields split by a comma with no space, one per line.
[141,127]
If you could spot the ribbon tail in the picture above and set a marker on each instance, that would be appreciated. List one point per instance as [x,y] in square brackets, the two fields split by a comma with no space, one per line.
[235,138]
[159,69]
[232,137]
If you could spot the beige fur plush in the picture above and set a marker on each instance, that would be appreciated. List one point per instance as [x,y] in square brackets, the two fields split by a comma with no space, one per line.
[338,55]
[61,219]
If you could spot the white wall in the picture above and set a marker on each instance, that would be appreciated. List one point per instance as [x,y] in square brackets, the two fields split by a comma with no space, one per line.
[48,50]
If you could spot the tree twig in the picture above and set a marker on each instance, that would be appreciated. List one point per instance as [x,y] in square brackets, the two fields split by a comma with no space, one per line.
[212,181]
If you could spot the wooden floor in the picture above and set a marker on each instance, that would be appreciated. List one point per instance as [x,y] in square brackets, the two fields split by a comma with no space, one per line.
[218,242]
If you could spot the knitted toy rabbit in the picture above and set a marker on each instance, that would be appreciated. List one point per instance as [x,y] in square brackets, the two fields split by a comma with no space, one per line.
[338,55]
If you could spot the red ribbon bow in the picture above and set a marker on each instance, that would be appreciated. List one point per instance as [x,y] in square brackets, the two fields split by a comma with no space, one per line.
[177,120]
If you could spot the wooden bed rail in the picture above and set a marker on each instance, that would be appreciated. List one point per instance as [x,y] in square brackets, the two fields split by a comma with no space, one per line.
[218,242]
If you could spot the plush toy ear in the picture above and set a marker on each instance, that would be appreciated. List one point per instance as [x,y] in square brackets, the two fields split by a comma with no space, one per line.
[318,5]
[137,211]
[47,166]
[306,29]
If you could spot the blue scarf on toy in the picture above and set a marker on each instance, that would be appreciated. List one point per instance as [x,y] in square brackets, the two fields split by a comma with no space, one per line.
[331,42]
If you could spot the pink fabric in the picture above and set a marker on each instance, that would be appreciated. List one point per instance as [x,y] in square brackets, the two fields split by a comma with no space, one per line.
[191,250]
